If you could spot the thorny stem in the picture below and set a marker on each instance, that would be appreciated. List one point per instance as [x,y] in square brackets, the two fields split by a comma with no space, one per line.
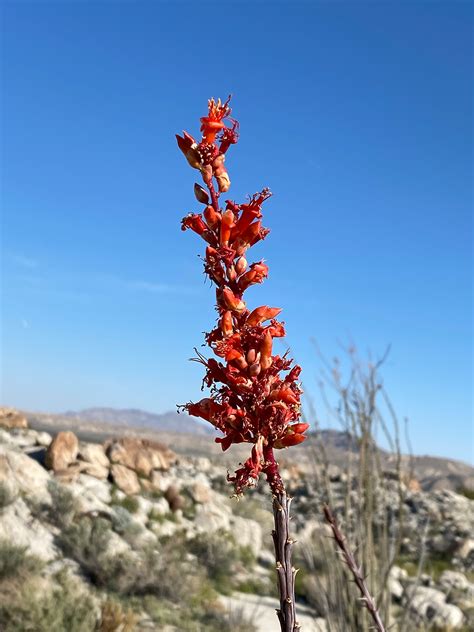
[286,573]
[349,559]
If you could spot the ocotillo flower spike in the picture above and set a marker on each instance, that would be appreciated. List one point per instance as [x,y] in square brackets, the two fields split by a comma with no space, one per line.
[254,393]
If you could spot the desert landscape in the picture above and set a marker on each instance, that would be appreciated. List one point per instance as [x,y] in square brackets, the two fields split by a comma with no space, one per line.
[123,520]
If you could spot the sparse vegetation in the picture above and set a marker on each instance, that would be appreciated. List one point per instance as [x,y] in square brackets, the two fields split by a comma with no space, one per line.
[130,503]
[125,526]
[16,563]
[359,403]
[32,609]
[466,491]
[115,619]
[63,506]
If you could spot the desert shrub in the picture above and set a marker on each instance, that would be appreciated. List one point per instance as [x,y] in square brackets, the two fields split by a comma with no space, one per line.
[234,621]
[58,610]
[130,503]
[203,612]
[63,506]
[468,492]
[157,516]
[16,562]
[370,503]
[256,586]
[125,526]
[6,496]
[252,508]
[166,571]
[86,541]
[175,499]
[113,618]
[218,554]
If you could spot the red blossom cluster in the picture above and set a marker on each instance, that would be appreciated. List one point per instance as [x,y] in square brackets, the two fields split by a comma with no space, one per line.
[254,395]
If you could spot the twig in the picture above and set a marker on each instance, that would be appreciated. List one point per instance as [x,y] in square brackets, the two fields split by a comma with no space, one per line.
[356,570]
[286,573]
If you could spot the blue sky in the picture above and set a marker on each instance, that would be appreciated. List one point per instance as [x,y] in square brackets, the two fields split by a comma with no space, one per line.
[357,115]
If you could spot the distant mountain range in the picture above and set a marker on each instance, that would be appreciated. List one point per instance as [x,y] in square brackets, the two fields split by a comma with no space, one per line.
[191,436]
[132,418]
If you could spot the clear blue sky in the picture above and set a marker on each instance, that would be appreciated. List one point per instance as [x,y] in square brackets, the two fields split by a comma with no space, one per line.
[357,115]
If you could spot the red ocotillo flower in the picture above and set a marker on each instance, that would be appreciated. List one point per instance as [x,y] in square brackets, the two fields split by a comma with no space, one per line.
[254,392]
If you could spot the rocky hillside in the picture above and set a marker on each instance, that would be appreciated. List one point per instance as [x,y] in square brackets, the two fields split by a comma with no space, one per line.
[128,535]
[191,437]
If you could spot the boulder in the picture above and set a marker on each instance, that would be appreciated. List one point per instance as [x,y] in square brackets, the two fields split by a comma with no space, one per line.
[100,489]
[23,474]
[429,606]
[465,553]
[247,533]
[93,453]
[95,470]
[140,455]
[17,526]
[159,481]
[394,585]
[200,493]
[454,579]
[212,517]
[69,474]
[92,496]
[43,438]
[62,451]
[414,485]
[125,479]
[11,418]
[261,611]
[22,438]
[175,499]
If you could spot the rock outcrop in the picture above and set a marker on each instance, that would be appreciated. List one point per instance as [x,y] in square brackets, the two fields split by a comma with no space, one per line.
[140,455]
[125,479]
[62,451]
[11,418]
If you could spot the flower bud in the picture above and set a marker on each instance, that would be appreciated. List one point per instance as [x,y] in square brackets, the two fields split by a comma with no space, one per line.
[231,273]
[284,395]
[289,440]
[232,301]
[240,362]
[223,182]
[241,265]
[201,194]
[240,246]
[207,174]
[226,324]
[299,428]
[260,314]
[255,369]
[211,216]
[226,226]
[188,146]
[206,408]
[218,165]
[251,356]
[247,279]
[266,351]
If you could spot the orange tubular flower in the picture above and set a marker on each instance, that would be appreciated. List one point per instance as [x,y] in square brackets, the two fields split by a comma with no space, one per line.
[255,395]
[212,123]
